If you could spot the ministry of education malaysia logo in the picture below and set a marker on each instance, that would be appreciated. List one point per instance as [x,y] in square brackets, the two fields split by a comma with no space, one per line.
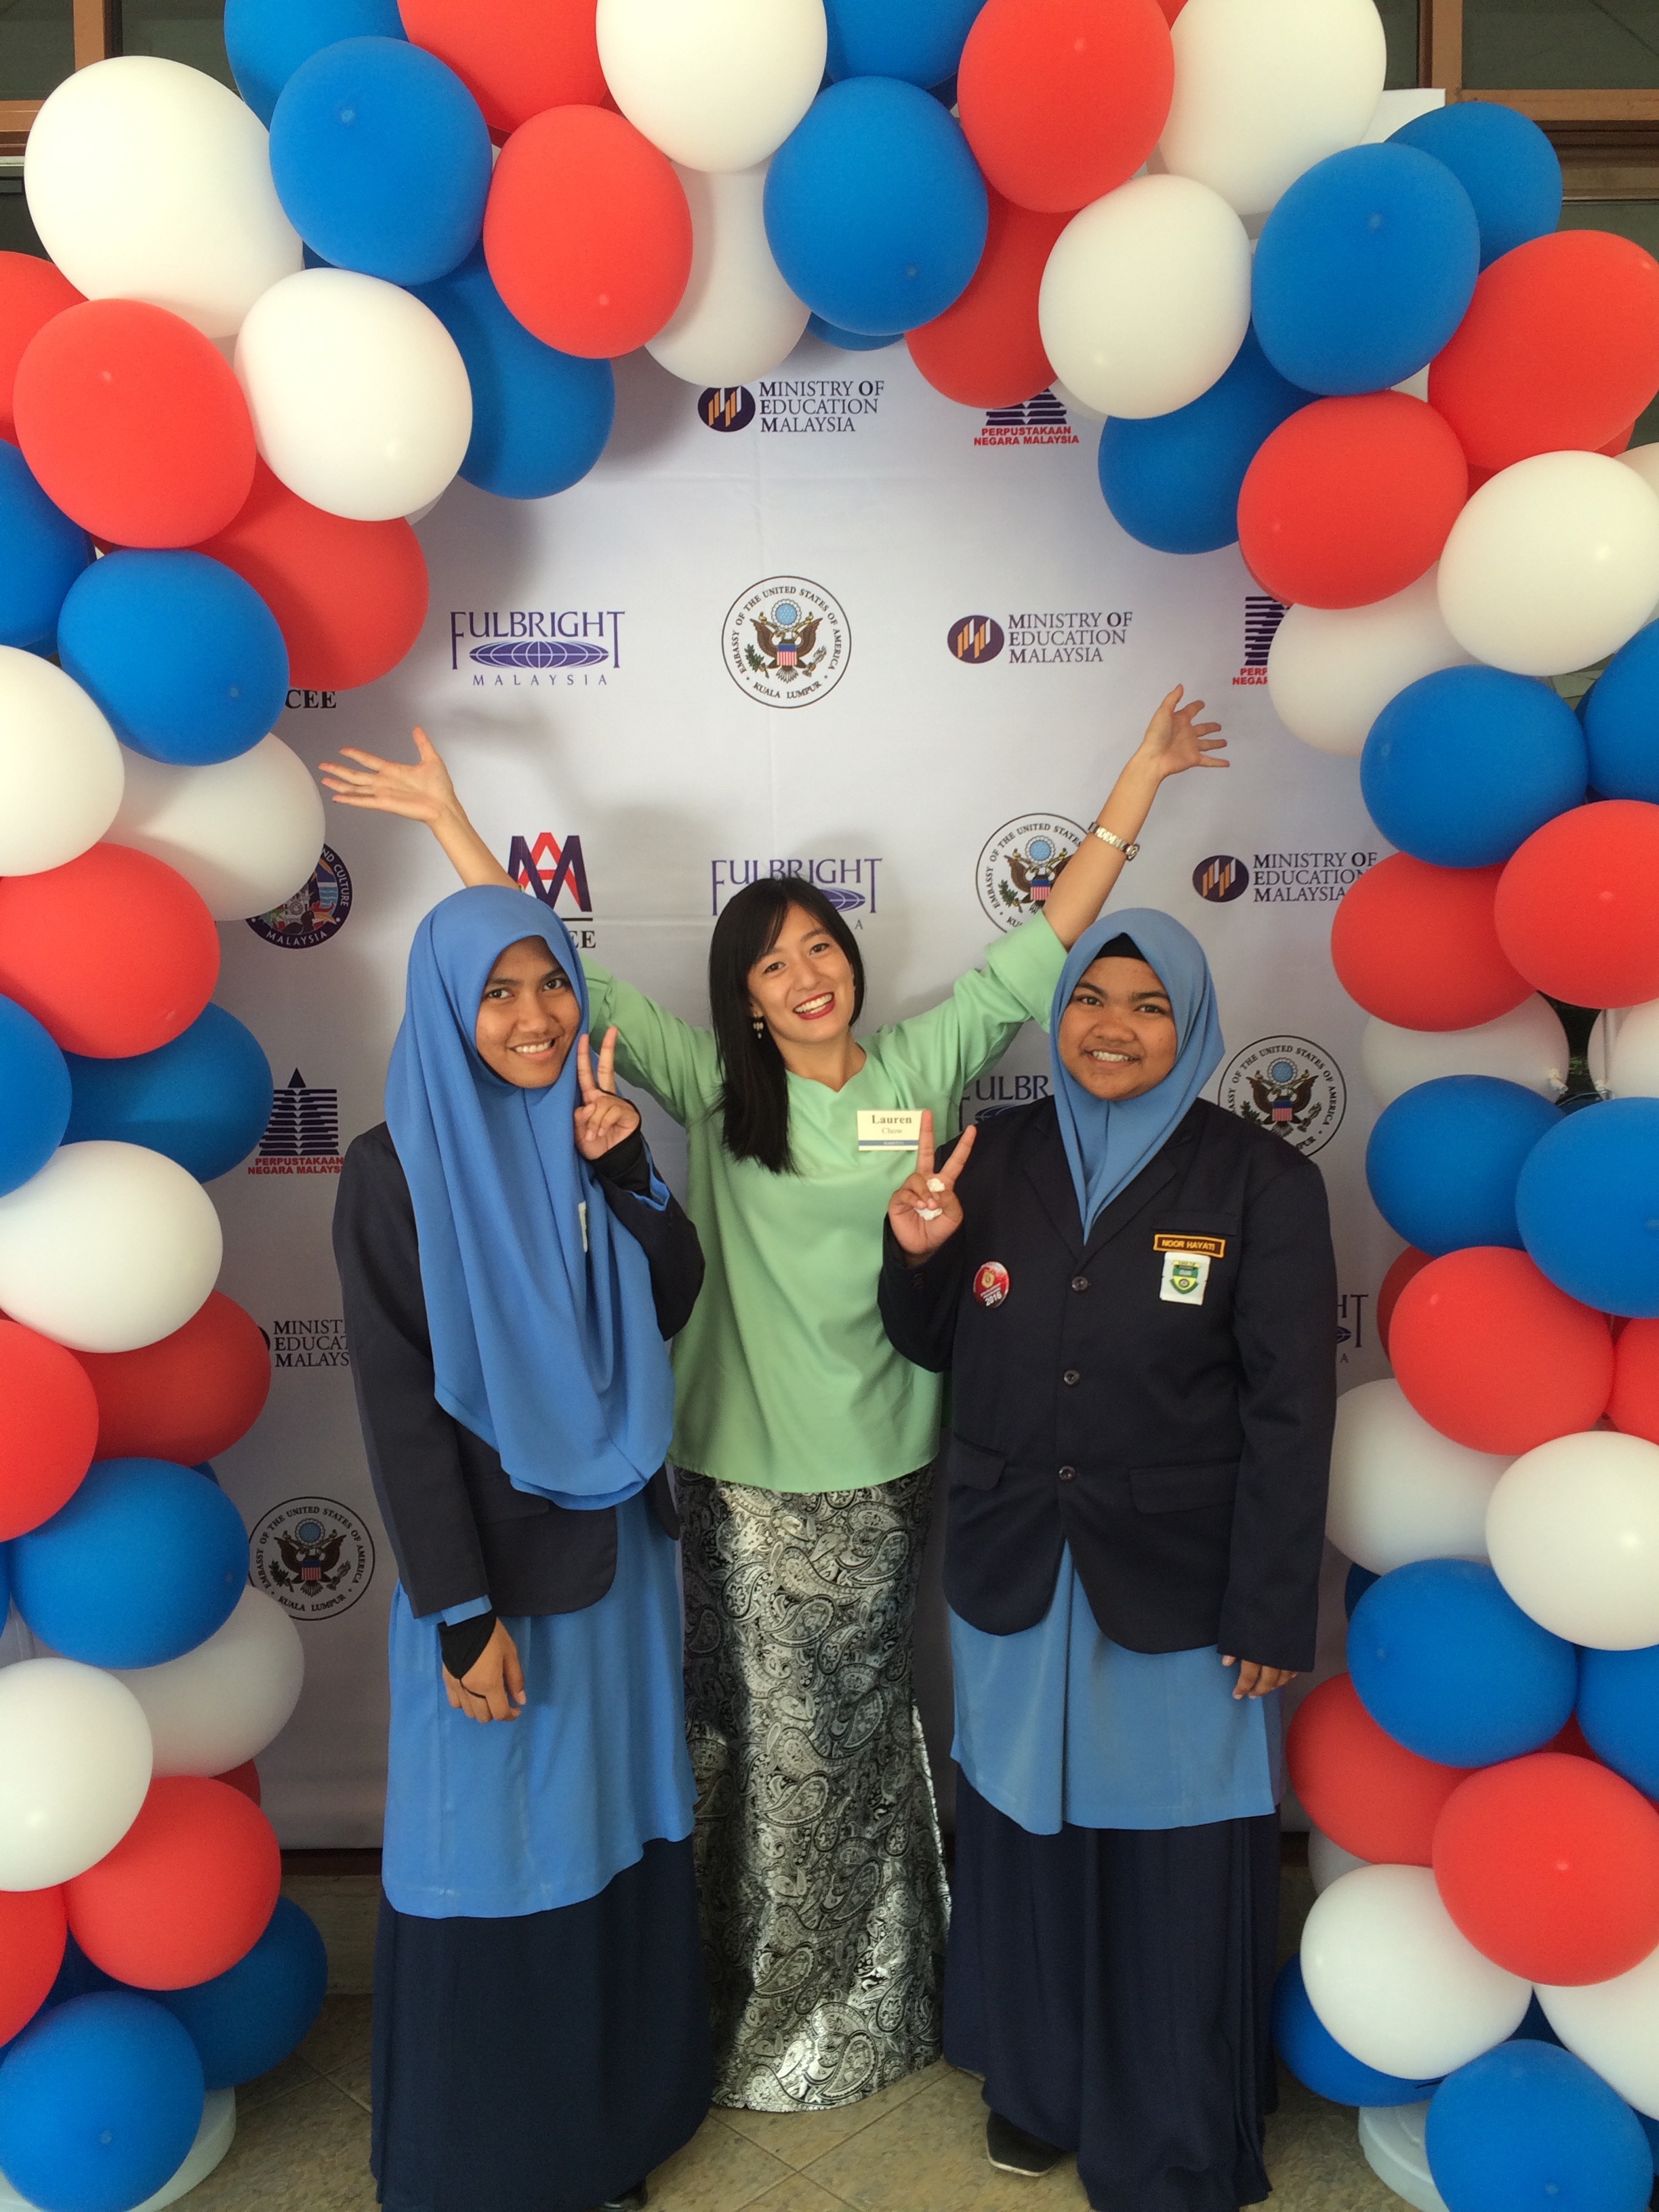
[1018,866]
[1286,1084]
[314,1556]
[786,642]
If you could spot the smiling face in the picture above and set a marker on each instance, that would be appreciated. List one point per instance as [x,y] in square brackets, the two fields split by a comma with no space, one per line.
[803,988]
[528,1017]
[1117,1035]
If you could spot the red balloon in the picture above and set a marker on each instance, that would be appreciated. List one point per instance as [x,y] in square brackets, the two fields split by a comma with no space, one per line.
[49,1436]
[114,953]
[245,1777]
[134,424]
[1402,1269]
[1365,1790]
[587,232]
[186,1892]
[1550,1867]
[32,1932]
[349,597]
[1063,100]
[1350,500]
[187,1397]
[1575,908]
[1559,349]
[1416,945]
[514,56]
[1634,1405]
[31,291]
[1572,1741]
[985,350]
[1614,446]
[1493,1355]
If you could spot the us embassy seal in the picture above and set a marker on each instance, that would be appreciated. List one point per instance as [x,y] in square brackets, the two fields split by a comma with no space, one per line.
[1286,1084]
[314,1556]
[787,642]
[1018,866]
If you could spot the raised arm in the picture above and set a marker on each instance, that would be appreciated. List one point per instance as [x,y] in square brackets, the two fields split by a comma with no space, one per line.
[421,790]
[1175,740]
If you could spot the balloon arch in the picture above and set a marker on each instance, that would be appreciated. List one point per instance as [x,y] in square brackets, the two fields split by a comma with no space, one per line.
[273,329]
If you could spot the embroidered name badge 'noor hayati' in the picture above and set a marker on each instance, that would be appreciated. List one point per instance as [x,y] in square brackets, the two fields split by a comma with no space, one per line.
[1212,1248]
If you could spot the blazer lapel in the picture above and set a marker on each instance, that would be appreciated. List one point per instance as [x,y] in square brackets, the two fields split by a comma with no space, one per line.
[1049,1173]
[1164,1168]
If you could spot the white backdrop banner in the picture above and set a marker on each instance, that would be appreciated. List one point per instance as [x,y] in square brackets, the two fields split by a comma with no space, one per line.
[829,625]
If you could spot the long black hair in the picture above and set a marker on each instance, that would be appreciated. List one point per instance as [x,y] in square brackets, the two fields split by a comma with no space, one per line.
[754,1099]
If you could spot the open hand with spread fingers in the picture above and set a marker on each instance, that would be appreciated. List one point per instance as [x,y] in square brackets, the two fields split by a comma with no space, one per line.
[602,1119]
[1175,739]
[420,790]
[924,1210]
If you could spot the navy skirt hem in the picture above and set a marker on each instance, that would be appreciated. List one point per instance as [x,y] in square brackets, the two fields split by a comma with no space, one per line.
[544,2062]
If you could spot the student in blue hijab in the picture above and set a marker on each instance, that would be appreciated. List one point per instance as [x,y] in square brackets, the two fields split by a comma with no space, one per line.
[1136,1294]
[512,1267]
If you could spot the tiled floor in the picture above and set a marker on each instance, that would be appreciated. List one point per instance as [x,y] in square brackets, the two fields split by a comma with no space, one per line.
[303,2138]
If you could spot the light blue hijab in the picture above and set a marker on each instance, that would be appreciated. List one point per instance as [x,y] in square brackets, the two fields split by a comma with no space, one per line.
[1108,1144]
[544,1341]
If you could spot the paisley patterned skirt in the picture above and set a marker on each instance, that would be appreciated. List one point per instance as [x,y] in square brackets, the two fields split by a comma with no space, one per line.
[817,1847]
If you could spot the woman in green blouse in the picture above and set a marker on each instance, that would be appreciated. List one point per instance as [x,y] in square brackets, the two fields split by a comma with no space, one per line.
[803,1442]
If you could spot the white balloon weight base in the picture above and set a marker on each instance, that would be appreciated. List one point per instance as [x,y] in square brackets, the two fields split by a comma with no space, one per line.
[213,2139]
[1391,2136]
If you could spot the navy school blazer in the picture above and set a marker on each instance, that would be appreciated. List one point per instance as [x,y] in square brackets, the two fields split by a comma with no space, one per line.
[1159,1394]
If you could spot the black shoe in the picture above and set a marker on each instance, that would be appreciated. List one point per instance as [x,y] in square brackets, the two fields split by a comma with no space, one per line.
[1011,2150]
[631,2200]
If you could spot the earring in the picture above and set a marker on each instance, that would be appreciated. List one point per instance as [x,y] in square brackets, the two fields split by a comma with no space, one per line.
[759,1026]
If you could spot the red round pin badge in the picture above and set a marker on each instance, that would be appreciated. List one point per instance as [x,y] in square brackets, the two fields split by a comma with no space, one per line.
[991,1283]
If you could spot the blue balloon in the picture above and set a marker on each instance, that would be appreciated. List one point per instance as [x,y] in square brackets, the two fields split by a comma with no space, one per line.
[1356,1583]
[1530,2127]
[144,1562]
[1446,1661]
[920,42]
[34,1095]
[1503,162]
[5,1586]
[1444,1158]
[1463,766]
[1618,1713]
[876,212]
[1620,716]
[381,160]
[1587,1206]
[99,2102]
[1172,481]
[540,418]
[247,2019]
[1365,269]
[1319,2060]
[267,39]
[851,341]
[203,1099]
[183,658]
[1650,2130]
[41,553]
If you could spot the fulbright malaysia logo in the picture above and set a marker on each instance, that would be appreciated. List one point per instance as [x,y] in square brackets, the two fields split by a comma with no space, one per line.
[531,647]
[850,885]
[314,1556]
[1018,866]
[1288,1085]
[786,642]
[1039,421]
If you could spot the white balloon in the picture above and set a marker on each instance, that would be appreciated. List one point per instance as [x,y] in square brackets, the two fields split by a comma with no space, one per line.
[1394,1981]
[110,1247]
[1328,1862]
[223,1702]
[737,317]
[719,86]
[1633,1062]
[1572,1531]
[1078,409]
[1527,1047]
[1264,89]
[1401,1490]
[60,766]
[75,1752]
[1145,297]
[1644,461]
[1614,2027]
[243,832]
[147,181]
[1331,671]
[1553,564]
[359,397]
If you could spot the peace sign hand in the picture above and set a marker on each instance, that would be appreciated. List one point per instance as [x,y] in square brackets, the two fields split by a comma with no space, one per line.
[925,1211]
[602,1120]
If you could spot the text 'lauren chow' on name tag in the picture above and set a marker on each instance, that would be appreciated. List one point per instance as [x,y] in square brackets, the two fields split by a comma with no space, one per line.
[899,1131]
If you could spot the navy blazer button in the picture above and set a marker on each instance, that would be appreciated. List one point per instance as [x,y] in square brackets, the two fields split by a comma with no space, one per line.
[1079,1282]
[1070,1375]
[1068,1474]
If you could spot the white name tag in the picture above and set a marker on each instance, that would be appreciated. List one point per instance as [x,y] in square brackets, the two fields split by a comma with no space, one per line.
[895,1132]
[1185,1275]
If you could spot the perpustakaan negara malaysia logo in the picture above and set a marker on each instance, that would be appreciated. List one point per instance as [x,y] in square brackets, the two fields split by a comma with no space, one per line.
[818,406]
[557,873]
[302,1136]
[1039,421]
[314,1555]
[848,884]
[536,648]
[1289,1085]
[1262,615]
